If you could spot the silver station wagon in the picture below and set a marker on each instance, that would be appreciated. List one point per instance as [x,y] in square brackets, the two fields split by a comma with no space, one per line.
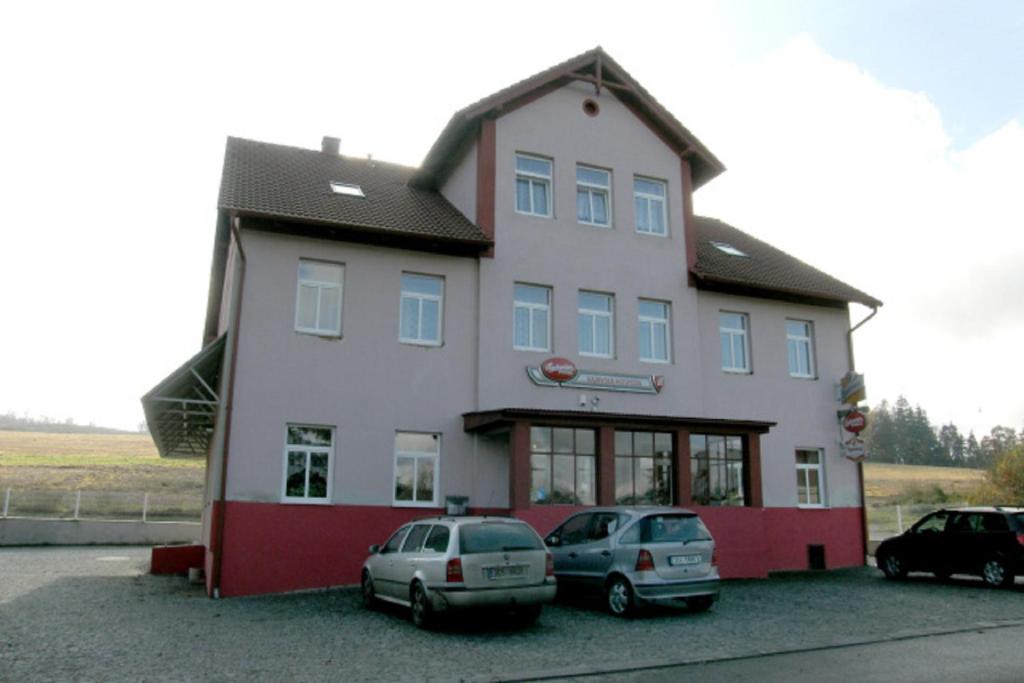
[443,563]
[636,555]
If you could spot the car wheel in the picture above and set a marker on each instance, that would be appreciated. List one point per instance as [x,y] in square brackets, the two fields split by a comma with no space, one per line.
[701,603]
[619,597]
[421,612]
[369,592]
[997,573]
[527,616]
[893,566]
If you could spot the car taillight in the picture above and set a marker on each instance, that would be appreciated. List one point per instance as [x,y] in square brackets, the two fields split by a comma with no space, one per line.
[454,573]
[549,568]
[1020,539]
[644,561]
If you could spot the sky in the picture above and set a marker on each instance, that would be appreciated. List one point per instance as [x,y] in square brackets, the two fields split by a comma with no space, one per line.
[880,141]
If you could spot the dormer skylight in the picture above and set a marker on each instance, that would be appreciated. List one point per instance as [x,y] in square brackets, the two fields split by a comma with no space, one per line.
[727,248]
[347,189]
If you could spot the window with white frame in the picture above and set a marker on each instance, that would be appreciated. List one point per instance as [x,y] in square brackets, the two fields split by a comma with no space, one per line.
[308,453]
[594,324]
[533,185]
[732,331]
[593,196]
[417,460]
[532,318]
[420,318]
[649,203]
[654,331]
[800,348]
[810,477]
[318,300]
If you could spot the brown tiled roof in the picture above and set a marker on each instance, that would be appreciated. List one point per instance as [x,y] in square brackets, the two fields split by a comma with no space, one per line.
[764,268]
[275,181]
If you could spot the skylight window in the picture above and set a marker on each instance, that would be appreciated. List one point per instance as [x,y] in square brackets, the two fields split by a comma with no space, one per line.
[727,248]
[347,189]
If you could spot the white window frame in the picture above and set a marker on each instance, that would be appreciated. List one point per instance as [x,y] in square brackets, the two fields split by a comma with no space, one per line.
[532,178]
[653,323]
[802,470]
[310,450]
[419,340]
[320,287]
[649,198]
[530,308]
[593,188]
[417,456]
[807,340]
[594,314]
[734,332]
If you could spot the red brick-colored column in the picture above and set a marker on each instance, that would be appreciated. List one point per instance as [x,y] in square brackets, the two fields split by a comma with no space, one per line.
[519,466]
[684,485]
[486,169]
[606,466]
[754,495]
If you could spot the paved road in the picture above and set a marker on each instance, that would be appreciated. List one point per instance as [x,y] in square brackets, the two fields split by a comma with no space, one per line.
[987,655]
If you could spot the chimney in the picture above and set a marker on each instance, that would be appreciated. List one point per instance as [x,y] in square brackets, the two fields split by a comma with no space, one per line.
[331,145]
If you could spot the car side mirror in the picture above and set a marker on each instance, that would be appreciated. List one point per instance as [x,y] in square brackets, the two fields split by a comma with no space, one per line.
[374,549]
[553,541]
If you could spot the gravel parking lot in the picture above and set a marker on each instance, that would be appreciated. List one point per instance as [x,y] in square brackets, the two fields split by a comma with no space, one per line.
[95,614]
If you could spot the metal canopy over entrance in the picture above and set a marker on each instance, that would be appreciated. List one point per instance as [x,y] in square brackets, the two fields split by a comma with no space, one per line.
[181,410]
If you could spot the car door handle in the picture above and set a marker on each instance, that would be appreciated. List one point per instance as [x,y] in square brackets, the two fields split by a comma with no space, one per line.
[606,553]
[573,556]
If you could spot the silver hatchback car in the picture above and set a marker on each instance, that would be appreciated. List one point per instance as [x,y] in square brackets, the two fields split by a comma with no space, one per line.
[433,565]
[636,555]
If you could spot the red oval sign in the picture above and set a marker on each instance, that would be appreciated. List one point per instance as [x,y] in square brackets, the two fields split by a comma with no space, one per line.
[558,369]
[854,421]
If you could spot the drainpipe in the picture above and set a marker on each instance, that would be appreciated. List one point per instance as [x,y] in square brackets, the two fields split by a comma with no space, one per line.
[218,556]
[860,465]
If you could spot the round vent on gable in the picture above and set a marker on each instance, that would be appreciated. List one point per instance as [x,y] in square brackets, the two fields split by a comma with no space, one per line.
[590,107]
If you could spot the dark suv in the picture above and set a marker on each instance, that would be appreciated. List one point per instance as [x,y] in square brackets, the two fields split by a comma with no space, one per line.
[984,541]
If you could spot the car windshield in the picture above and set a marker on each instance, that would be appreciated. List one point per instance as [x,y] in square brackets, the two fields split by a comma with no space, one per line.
[497,537]
[673,529]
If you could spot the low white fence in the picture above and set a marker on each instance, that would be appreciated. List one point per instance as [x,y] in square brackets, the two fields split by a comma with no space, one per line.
[104,505]
[891,520]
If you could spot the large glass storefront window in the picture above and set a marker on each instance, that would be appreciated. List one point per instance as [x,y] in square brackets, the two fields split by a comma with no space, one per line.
[716,463]
[563,466]
[643,468]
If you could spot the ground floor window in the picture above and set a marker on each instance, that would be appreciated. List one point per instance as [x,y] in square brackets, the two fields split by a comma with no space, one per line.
[563,466]
[417,457]
[809,477]
[643,468]
[308,454]
[717,463]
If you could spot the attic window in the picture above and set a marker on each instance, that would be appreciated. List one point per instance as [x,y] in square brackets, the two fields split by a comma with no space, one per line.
[347,189]
[727,248]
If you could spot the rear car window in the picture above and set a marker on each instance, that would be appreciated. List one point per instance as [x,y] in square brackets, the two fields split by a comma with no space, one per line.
[438,540]
[1019,520]
[496,538]
[415,538]
[673,529]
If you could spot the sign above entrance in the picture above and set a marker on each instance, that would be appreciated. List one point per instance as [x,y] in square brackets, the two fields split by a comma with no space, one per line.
[562,372]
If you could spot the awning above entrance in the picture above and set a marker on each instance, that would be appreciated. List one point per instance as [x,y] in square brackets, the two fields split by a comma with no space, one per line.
[502,418]
[181,410]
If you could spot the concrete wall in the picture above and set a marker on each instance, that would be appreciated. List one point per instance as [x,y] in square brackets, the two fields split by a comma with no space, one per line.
[32,531]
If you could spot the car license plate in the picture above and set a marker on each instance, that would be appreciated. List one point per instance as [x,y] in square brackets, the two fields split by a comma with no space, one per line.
[506,572]
[677,560]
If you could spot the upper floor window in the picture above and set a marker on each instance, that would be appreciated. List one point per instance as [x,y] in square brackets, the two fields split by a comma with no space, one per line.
[732,330]
[649,202]
[654,331]
[421,310]
[417,457]
[809,477]
[532,318]
[593,193]
[318,305]
[308,453]
[595,324]
[800,348]
[533,185]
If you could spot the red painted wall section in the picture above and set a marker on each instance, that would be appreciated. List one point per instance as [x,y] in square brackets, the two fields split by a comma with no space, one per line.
[276,547]
[176,559]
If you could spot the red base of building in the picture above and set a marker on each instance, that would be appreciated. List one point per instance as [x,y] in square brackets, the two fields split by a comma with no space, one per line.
[176,559]
[272,548]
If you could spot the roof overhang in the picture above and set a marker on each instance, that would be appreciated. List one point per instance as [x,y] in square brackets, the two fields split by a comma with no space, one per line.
[181,410]
[500,419]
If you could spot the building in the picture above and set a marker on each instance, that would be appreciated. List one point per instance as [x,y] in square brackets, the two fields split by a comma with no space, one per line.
[534,319]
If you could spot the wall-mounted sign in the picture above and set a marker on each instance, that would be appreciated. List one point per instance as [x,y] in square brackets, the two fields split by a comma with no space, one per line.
[855,449]
[851,388]
[854,422]
[560,372]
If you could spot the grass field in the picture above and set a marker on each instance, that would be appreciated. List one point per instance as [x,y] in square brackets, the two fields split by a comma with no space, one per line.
[886,483]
